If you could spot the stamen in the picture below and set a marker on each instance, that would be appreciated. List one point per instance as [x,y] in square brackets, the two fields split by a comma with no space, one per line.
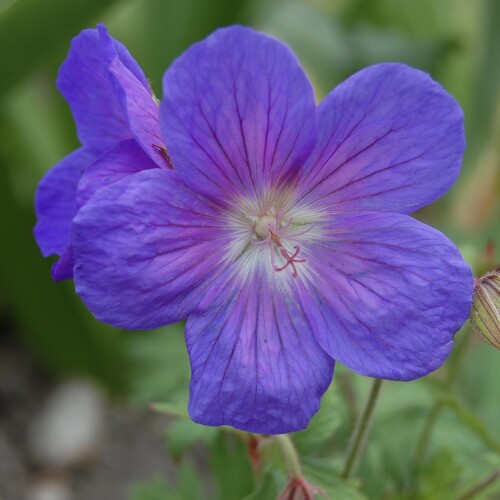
[162,151]
[301,232]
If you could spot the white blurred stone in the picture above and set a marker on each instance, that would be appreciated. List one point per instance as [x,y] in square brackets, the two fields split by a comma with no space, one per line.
[49,489]
[68,429]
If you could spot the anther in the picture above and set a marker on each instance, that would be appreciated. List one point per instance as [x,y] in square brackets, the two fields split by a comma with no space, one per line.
[162,151]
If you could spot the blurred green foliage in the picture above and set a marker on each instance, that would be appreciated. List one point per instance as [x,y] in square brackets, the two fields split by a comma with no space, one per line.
[433,438]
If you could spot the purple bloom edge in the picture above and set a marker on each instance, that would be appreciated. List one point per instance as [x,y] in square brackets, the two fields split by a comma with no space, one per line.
[282,234]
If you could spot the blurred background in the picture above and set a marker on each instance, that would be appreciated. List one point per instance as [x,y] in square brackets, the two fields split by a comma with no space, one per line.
[75,414]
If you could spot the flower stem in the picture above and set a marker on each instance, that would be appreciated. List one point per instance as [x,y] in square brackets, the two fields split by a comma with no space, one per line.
[345,385]
[440,404]
[481,486]
[290,453]
[425,436]
[298,486]
[459,352]
[360,433]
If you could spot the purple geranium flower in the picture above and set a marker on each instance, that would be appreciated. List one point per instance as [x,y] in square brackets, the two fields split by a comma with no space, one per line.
[282,233]
[117,120]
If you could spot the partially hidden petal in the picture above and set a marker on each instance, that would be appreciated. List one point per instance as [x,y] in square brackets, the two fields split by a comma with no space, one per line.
[255,363]
[144,249]
[84,80]
[391,139]
[55,202]
[238,113]
[386,294]
[63,268]
[125,159]
[136,98]
[117,48]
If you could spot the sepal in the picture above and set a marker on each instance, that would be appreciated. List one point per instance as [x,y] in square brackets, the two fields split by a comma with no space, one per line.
[485,313]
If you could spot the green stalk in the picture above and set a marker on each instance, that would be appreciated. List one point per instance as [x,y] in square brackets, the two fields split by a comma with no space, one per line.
[425,437]
[481,486]
[290,453]
[358,438]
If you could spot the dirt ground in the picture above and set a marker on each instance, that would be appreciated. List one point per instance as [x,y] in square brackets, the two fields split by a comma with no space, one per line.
[131,448]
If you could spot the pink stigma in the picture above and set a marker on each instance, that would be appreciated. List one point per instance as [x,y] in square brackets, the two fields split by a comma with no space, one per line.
[291,260]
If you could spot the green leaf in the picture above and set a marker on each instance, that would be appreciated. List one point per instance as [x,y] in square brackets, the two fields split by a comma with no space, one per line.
[270,486]
[230,467]
[323,472]
[440,476]
[317,437]
[173,409]
[159,366]
[477,383]
[154,489]
[181,435]
[474,424]
[190,487]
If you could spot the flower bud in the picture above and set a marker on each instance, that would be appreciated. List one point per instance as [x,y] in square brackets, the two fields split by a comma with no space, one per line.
[300,489]
[485,314]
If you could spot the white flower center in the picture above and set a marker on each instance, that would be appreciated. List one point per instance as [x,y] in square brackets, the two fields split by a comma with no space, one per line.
[264,224]
[272,234]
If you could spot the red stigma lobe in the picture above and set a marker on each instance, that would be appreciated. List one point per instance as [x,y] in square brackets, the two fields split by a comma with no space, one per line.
[291,260]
